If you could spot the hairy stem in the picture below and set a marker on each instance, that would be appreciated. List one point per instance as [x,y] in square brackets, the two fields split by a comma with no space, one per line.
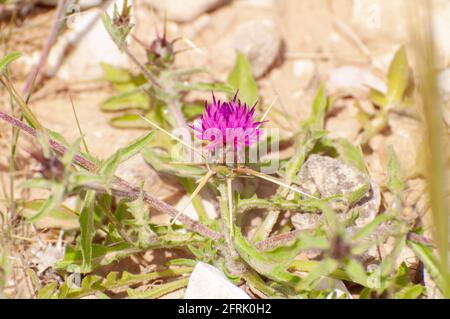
[121,187]
[57,24]
[141,67]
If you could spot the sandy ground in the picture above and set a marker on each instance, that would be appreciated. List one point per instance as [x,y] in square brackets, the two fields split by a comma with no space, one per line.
[318,38]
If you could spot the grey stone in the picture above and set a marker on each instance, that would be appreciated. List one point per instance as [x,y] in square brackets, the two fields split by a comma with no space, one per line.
[328,176]
[261,42]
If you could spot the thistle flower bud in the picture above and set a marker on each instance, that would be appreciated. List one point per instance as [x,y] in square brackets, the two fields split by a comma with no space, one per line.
[119,26]
[161,52]
[121,20]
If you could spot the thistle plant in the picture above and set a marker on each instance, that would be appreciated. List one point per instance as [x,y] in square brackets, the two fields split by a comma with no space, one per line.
[114,216]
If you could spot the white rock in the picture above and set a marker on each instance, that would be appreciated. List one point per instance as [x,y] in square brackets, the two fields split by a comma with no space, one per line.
[208,282]
[353,80]
[305,70]
[182,10]
[260,41]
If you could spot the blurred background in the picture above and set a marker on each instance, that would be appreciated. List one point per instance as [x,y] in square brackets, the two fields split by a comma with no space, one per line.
[293,46]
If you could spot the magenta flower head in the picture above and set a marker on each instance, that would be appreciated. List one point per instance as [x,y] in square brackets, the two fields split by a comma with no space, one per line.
[228,125]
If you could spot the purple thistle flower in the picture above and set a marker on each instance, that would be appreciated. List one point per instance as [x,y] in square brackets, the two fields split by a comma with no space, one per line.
[228,124]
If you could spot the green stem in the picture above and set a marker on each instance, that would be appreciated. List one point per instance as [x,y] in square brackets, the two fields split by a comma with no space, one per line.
[436,152]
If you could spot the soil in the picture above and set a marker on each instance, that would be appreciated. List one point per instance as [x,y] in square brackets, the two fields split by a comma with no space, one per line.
[311,33]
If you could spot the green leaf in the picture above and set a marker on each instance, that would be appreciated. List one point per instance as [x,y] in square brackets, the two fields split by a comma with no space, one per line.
[365,293]
[159,290]
[398,76]
[140,213]
[321,105]
[109,166]
[97,285]
[302,150]
[431,263]
[5,61]
[388,263]
[378,98]
[49,204]
[370,227]
[175,238]
[161,163]
[357,194]
[86,220]
[133,99]
[129,121]
[350,154]
[57,137]
[117,34]
[72,150]
[193,110]
[215,87]
[84,178]
[114,74]
[356,272]
[303,241]
[262,263]
[59,217]
[314,132]
[134,147]
[37,183]
[402,276]
[182,262]
[323,269]
[100,255]
[302,265]
[241,78]
[410,292]
[48,291]
[204,251]
[395,181]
